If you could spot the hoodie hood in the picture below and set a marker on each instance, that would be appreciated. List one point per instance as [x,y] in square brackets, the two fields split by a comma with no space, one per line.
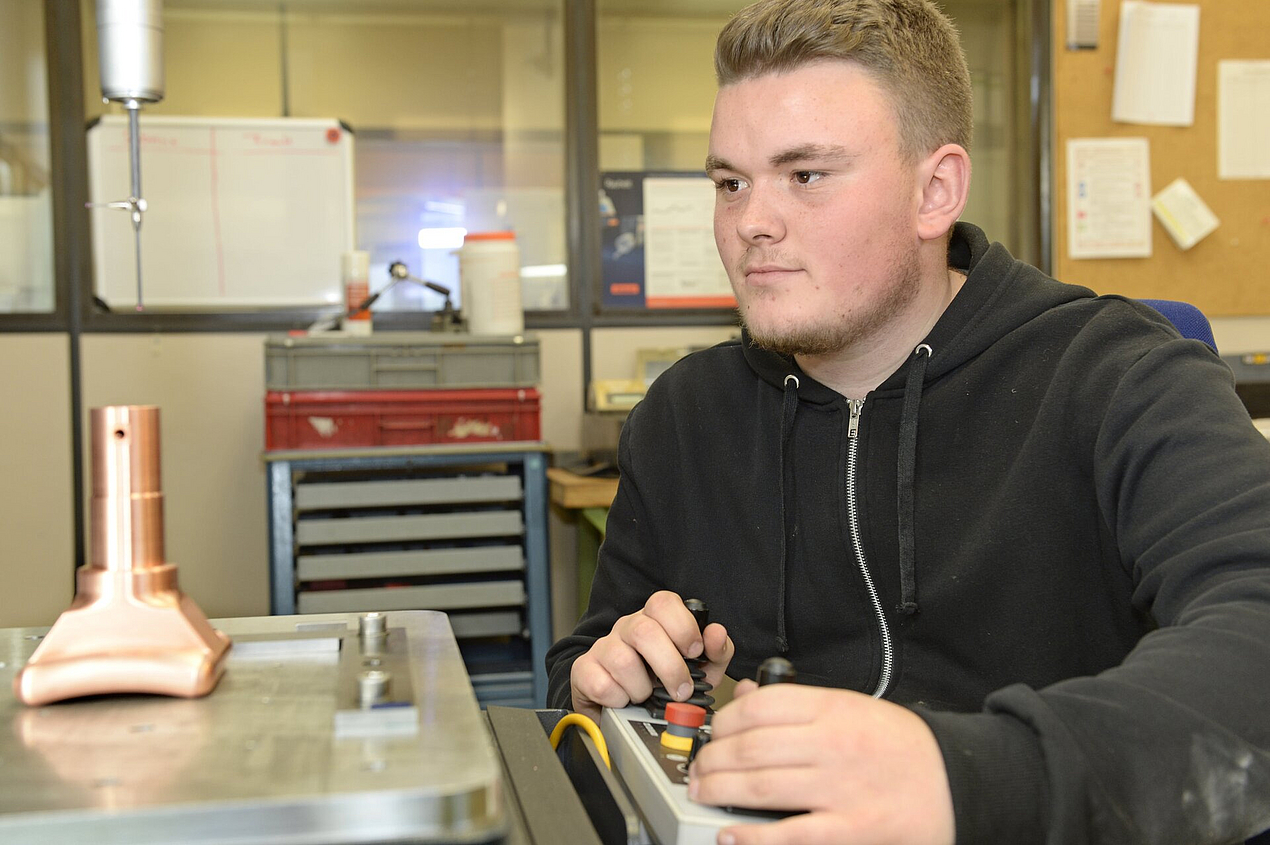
[999,295]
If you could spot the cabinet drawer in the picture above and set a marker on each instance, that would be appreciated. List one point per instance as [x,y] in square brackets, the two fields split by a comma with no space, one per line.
[388,529]
[407,492]
[431,597]
[411,563]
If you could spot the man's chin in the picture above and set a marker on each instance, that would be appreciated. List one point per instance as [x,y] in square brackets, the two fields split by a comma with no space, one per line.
[795,341]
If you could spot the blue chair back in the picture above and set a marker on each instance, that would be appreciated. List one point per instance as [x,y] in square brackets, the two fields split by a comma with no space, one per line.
[1186,318]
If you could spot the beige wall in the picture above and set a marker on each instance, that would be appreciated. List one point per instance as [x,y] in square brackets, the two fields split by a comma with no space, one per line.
[37,554]
[22,47]
[1241,335]
[210,392]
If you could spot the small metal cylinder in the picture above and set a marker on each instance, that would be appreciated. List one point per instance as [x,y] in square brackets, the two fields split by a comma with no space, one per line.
[372,686]
[370,625]
[130,49]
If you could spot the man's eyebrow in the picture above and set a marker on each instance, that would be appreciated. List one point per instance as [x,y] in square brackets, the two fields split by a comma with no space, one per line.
[713,163]
[811,152]
[803,152]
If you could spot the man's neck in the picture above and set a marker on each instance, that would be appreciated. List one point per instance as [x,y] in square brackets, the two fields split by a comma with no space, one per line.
[860,368]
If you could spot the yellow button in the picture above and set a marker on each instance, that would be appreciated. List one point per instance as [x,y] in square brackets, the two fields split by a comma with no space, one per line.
[679,743]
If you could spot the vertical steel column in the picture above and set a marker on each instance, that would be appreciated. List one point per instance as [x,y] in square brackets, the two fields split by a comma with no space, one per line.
[1041,85]
[537,570]
[69,177]
[582,168]
[281,538]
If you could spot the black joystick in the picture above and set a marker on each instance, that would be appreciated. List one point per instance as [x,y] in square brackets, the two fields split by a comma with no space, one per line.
[776,670]
[657,702]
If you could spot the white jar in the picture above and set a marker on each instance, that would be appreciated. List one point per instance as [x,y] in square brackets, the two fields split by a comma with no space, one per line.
[489,275]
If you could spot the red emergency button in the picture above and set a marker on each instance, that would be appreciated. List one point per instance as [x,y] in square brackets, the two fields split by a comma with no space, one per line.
[683,721]
[685,715]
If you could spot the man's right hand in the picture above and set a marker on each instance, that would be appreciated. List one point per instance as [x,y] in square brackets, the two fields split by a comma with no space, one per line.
[614,672]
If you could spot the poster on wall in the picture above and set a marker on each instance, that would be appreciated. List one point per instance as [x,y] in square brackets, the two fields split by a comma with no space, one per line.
[1108,198]
[657,242]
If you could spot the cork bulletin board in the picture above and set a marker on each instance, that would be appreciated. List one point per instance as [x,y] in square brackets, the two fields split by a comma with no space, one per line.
[1226,273]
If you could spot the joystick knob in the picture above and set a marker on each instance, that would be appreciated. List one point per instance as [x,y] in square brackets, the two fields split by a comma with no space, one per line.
[776,670]
[657,702]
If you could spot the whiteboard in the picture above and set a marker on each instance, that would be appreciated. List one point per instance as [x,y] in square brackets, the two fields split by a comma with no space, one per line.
[241,212]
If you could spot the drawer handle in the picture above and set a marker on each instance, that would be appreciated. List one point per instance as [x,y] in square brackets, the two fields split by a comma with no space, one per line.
[390,425]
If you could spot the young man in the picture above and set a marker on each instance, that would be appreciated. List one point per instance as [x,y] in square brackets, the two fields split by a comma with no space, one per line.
[1017,534]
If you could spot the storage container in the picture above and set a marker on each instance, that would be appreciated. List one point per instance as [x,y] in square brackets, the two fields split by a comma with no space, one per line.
[399,361]
[489,275]
[353,418]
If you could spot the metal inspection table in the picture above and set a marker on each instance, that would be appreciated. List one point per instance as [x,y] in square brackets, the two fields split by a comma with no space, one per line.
[282,751]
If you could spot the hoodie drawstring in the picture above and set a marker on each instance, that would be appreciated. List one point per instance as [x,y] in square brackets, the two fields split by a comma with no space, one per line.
[905,471]
[789,525]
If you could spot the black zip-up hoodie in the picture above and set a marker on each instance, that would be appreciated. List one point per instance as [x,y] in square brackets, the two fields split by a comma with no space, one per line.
[1048,533]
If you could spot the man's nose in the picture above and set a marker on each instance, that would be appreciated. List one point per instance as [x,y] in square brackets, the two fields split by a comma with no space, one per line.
[761,218]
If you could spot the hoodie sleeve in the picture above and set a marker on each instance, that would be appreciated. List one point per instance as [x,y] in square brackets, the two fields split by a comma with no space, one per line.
[625,575]
[1172,745]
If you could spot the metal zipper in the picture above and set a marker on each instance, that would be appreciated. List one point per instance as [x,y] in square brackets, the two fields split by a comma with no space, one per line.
[853,523]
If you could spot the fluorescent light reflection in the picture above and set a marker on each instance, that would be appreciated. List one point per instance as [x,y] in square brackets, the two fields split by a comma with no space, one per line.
[542,271]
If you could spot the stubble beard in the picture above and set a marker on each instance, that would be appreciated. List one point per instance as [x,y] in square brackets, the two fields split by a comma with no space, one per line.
[830,334]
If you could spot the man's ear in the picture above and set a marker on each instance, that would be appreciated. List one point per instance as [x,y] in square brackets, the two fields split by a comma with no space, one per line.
[945,184]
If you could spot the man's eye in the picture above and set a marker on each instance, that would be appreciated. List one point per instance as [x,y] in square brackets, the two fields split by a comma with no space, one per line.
[730,186]
[805,177]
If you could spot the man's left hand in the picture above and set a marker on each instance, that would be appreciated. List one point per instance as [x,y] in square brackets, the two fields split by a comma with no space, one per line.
[867,771]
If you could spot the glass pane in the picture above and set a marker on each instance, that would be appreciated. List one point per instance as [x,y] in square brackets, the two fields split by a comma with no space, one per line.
[26,215]
[656,90]
[655,86]
[456,108]
[990,36]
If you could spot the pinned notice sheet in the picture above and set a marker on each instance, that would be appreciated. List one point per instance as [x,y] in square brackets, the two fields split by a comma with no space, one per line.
[1108,198]
[681,263]
[1082,24]
[1243,130]
[1183,214]
[1156,57]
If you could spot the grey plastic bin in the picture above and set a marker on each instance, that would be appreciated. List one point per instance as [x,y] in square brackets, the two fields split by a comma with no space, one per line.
[400,361]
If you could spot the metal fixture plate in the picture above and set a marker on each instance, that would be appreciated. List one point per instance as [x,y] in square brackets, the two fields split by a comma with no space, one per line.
[257,760]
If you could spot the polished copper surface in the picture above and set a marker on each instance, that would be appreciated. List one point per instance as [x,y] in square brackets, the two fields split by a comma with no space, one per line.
[130,628]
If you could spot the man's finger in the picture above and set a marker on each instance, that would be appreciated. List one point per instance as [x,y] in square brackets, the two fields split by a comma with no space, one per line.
[593,685]
[676,620]
[783,746]
[804,829]
[775,704]
[777,788]
[719,647]
[653,645]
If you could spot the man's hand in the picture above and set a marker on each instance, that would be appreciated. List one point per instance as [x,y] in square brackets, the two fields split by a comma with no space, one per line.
[613,672]
[869,772]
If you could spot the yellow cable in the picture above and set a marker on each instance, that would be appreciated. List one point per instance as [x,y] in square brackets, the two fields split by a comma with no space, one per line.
[587,725]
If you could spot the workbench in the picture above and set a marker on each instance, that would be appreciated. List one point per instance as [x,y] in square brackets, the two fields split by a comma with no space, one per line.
[589,499]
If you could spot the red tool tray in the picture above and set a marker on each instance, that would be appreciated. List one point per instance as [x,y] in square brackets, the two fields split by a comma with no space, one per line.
[336,419]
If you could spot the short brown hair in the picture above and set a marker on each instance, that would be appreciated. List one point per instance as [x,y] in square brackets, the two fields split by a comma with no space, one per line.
[910,48]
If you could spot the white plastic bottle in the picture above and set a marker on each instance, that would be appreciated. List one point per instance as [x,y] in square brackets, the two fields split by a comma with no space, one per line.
[489,273]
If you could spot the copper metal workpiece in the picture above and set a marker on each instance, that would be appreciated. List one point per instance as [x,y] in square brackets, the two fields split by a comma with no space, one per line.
[130,628]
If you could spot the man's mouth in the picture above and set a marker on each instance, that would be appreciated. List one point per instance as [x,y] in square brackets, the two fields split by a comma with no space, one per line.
[768,273]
